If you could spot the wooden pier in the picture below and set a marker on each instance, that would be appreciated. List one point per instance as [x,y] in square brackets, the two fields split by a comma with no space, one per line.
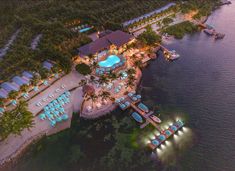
[145,115]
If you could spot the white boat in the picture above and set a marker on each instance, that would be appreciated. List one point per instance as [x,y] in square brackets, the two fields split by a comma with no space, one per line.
[173,55]
[155,119]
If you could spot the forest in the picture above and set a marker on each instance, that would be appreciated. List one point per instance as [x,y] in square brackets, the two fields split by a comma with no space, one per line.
[49,19]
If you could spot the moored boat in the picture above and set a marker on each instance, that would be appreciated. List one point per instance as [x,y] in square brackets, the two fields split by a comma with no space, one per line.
[137,117]
[143,107]
[155,119]
[209,32]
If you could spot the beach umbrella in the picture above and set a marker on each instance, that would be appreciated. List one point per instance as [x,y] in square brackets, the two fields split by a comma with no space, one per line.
[42,116]
[46,108]
[64,117]
[47,113]
[56,113]
[53,123]
[61,110]
[58,119]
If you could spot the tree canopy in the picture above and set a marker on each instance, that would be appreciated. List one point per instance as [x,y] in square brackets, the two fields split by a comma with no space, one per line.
[149,37]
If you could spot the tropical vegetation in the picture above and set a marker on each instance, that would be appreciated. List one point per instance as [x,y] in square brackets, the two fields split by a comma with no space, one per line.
[179,30]
[13,122]
[149,37]
[83,69]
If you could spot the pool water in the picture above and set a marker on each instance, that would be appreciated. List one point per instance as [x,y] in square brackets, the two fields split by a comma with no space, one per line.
[110,61]
[85,29]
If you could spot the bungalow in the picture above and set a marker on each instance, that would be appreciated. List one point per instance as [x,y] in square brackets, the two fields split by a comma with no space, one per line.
[27,74]
[113,40]
[20,80]
[47,65]
[10,86]
[3,93]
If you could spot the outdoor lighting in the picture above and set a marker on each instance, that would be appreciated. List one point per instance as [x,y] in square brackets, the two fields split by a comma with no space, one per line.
[163,146]
[180,132]
[185,129]
[152,136]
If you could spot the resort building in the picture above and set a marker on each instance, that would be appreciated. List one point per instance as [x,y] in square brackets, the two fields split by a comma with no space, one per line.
[113,41]
[107,50]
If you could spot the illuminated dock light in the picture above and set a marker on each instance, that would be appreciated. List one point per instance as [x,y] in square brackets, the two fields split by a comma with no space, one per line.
[180,132]
[163,146]
[168,143]
[147,141]
[152,136]
[185,129]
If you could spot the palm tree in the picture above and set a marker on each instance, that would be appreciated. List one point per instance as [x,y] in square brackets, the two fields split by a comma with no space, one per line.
[137,64]
[82,83]
[105,95]
[1,102]
[13,94]
[113,76]
[24,88]
[131,71]
[91,57]
[93,97]
[103,79]
[36,78]
[94,65]
[131,81]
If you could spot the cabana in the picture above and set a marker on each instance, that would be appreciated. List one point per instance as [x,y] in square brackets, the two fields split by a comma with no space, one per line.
[27,75]
[20,80]
[3,93]
[47,65]
[10,87]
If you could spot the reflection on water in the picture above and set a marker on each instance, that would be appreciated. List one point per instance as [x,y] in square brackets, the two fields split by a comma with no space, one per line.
[169,151]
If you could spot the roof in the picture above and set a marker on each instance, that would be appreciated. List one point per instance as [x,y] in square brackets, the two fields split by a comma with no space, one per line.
[117,38]
[27,74]
[10,86]
[104,33]
[20,80]
[159,10]
[47,65]
[3,93]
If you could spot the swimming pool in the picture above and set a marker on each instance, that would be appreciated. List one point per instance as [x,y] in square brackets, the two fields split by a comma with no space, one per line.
[110,61]
[85,29]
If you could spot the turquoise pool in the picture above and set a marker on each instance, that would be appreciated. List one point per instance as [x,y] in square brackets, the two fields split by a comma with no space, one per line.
[85,29]
[110,61]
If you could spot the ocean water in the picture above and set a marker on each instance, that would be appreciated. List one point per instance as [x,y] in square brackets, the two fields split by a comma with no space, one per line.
[202,85]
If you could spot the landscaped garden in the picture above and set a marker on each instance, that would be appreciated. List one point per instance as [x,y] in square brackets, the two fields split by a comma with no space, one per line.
[179,30]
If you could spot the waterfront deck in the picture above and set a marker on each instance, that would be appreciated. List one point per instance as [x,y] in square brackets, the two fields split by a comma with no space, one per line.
[146,116]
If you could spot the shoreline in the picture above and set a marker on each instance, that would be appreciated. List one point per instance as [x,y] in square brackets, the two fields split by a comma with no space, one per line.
[13,158]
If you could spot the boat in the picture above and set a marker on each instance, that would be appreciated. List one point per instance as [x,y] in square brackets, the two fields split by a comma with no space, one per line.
[143,107]
[137,117]
[209,32]
[173,55]
[155,119]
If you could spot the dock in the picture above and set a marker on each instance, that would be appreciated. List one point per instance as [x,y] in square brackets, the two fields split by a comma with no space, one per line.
[168,54]
[146,116]
[209,30]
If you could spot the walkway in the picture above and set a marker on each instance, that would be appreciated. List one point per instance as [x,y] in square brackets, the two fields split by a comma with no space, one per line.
[14,144]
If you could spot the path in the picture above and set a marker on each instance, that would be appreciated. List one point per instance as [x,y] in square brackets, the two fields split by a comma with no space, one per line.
[14,144]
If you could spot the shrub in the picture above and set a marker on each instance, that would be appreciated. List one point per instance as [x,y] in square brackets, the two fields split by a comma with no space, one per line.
[83,69]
